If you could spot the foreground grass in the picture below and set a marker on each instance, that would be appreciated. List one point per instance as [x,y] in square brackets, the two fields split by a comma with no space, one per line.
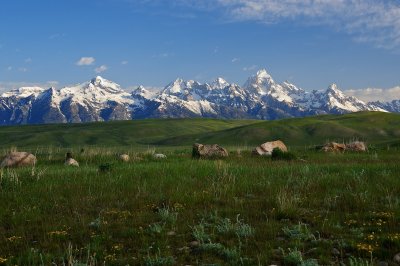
[325,209]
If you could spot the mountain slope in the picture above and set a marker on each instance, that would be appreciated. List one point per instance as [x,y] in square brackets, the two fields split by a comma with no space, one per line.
[373,127]
[376,128]
[99,99]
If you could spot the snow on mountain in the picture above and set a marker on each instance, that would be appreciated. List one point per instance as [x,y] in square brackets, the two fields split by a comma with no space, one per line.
[393,106]
[260,83]
[100,100]
[24,92]
[96,92]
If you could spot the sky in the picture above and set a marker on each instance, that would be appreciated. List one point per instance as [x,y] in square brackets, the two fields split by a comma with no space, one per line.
[311,43]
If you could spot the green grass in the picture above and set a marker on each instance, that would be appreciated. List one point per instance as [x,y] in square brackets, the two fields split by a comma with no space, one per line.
[106,134]
[376,128]
[243,210]
[380,129]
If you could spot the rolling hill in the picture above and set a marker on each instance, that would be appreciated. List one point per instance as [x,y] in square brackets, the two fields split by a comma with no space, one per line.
[376,128]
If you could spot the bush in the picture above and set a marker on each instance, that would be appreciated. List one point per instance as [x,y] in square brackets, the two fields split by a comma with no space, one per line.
[278,154]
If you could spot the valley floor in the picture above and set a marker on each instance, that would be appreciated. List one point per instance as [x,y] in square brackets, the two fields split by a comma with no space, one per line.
[325,209]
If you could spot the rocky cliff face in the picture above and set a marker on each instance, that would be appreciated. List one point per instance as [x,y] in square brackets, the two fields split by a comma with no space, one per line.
[102,100]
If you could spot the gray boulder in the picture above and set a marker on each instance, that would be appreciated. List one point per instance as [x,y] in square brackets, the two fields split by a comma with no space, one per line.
[209,151]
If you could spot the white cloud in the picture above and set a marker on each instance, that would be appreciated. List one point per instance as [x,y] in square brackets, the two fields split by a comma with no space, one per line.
[124,62]
[22,69]
[28,60]
[9,68]
[250,68]
[234,60]
[372,21]
[85,61]
[100,69]
[375,94]
[7,86]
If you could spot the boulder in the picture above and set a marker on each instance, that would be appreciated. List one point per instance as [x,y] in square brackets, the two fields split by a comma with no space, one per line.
[358,146]
[69,161]
[334,147]
[267,148]
[18,159]
[159,156]
[208,151]
[124,157]
[396,259]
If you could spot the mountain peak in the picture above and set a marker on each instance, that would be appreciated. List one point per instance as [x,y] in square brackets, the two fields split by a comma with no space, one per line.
[97,80]
[263,73]
[219,83]
[333,87]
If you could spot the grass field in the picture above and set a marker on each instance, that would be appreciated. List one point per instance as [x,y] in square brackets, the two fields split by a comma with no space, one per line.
[322,209]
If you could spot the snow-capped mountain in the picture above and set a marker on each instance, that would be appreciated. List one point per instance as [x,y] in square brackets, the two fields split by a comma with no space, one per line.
[393,106]
[102,100]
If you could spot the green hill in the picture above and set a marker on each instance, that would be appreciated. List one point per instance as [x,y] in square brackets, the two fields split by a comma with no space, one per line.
[115,133]
[374,127]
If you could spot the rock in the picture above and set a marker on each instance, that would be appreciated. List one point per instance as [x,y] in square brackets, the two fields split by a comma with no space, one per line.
[159,156]
[383,263]
[171,233]
[194,244]
[358,146]
[335,252]
[334,147]
[18,159]
[267,148]
[124,157]
[69,161]
[396,258]
[208,151]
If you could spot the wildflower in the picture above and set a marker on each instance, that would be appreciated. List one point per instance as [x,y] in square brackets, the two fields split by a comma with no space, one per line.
[117,247]
[3,260]
[14,238]
[110,257]
[58,233]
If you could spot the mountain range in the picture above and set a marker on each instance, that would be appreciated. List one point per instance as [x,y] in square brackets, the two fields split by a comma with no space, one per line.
[102,100]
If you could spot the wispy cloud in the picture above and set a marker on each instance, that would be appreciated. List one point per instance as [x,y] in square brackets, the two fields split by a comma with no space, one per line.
[234,60]
[7,86]
[85,61]
[100,69]
[28,60]
[57,36]
[124,62]
[373,21]
[250,68]
[376,94]
[22,69]
[162,55]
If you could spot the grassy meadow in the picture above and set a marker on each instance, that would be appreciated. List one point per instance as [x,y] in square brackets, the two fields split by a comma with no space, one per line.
[320,209]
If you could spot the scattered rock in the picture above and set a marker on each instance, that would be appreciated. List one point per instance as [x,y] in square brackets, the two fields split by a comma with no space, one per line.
[171,233]
[267,148]
[18,159]
[124,157]
[358,146]
[396,258]
[335,252]
[208,151]
[383,263]
[159,156]
[69,161]
[194,244]
[334,147]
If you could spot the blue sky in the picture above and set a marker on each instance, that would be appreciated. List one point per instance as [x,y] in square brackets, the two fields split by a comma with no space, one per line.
[310,43]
